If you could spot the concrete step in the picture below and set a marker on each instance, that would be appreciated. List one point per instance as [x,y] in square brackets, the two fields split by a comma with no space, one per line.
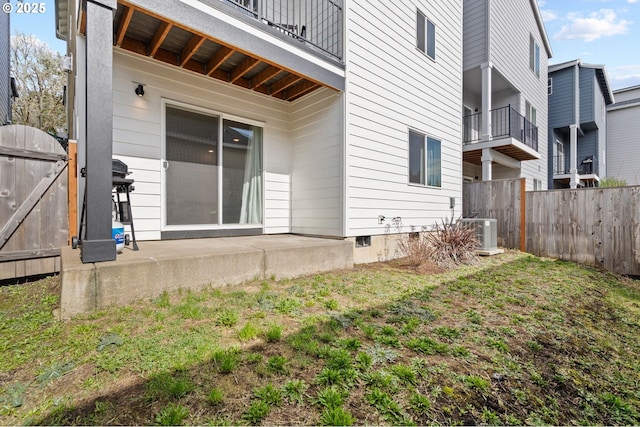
[192,264]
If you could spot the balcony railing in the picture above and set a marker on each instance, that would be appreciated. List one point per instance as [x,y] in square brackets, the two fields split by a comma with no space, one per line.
[505,121]
[586,166]
[316,22]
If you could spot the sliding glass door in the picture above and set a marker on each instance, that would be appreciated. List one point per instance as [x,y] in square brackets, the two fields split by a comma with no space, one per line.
[212,170]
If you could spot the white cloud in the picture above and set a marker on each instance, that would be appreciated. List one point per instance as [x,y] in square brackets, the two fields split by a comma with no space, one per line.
[624,72]
[548,15]
[632,1]
[624,76]
[593,26]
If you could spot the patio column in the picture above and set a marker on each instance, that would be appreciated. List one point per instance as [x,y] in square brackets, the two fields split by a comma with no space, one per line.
[98,245]
[573,156]
[487,160]
[485,130]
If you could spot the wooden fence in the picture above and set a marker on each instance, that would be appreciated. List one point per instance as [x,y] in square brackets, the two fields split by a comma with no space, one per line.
[501,200]
[33,202]
[597,226]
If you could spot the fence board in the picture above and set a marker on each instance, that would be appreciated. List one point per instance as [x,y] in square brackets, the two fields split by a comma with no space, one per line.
[501,200]
[597,226]
[27,157]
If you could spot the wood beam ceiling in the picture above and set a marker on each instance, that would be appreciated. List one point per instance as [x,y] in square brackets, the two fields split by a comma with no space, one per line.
[273,80]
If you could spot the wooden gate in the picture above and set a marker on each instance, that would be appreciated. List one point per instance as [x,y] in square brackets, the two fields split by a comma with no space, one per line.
[33,202]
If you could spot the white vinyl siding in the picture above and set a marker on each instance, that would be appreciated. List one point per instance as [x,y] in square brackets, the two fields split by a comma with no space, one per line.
[316,165]
[393,87]
[623,128]
[475,33]
[137,132]
[512,27]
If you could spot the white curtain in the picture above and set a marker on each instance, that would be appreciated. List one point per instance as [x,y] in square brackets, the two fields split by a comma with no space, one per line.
[251,209]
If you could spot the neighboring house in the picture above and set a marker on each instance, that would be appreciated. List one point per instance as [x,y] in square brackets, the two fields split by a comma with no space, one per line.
[506,51]
[279,116]
[623,136]
[578,97]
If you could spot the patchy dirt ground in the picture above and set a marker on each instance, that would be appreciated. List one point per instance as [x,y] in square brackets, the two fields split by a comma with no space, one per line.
[513,340]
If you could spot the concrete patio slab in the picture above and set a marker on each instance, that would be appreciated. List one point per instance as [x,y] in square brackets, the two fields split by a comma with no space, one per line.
[193,264]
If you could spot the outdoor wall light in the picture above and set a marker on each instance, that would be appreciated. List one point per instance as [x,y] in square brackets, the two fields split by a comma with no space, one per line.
[140,90]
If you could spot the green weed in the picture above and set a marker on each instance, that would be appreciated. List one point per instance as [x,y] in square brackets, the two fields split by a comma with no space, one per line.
[277,365]
[269,395]
[273,333]
[294,391]
[227,318]
[225,360]
[256,412]
[336,416]
[172,415]
[215,397]
[166,385]
[248,332]
[331,397]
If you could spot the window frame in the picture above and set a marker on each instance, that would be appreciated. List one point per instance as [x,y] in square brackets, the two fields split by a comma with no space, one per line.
[429,175]
[220,116]
[534,55]
[550,86]
[425,35]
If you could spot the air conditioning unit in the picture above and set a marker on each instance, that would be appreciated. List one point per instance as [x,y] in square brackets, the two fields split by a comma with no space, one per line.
[486,233]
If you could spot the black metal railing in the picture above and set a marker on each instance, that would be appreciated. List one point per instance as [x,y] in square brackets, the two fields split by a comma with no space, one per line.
[471,126]
[505,121]
[586,166]
[561,165]
[316,22]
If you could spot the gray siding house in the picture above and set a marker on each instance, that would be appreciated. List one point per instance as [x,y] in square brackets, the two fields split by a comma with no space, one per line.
[505,57]
[623,136]
[579,94]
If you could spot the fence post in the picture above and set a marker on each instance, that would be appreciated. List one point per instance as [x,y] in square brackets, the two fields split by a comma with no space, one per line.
[523,215]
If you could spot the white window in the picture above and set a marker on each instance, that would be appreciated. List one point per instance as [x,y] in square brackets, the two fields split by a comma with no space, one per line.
[550,86]
[534,56]
[537,184]
[426,35]
[424,160]
[559,163]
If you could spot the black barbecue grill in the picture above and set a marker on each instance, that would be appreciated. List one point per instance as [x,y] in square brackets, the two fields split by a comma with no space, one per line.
[121,185]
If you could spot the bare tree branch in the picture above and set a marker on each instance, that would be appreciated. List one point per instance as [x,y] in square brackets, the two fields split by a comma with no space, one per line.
[40,79]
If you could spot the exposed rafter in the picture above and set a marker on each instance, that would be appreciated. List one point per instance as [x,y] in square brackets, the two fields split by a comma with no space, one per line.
[155,38]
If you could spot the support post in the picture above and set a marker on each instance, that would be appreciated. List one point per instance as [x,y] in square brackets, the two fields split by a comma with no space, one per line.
[487,160]
[98,245]
[573,156]
[523,215]
[485,131]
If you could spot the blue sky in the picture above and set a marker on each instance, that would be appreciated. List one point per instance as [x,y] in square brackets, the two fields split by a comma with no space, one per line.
[603,32]
[597,31]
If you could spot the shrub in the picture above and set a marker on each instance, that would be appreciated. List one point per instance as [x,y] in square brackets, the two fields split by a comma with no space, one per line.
[612,182]
[414,247]
[452,244]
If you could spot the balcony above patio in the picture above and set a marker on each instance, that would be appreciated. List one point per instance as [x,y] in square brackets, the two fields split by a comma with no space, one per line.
[281,48]
[511,134]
